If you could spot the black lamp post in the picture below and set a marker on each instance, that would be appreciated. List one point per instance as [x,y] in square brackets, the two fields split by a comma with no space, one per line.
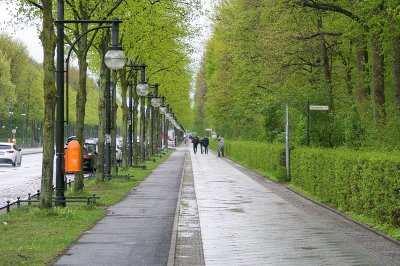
[155,103]
[163,111]
[142,90]
[114,59]
[142,69]
[23,114]
[11,112]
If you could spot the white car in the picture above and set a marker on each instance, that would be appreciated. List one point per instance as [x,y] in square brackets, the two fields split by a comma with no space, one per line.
[9,153]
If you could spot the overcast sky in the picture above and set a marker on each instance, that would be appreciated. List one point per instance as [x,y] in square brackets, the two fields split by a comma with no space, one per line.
[30,37]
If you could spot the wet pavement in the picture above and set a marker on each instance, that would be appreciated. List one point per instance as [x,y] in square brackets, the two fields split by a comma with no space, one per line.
[198,209]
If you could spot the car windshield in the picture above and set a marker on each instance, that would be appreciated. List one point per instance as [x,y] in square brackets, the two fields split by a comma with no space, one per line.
[5,147]
[91,148]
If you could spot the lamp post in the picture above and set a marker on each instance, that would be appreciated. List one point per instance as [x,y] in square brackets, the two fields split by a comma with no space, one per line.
[163,111]
[23,114]
[142,90]
[11,112]
[155,103]
[114,60]
[133,67]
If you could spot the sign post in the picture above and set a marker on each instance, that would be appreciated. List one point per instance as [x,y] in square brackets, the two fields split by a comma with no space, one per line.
[287,144]
[313,108]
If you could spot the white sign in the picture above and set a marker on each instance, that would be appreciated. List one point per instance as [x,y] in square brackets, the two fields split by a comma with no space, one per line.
[319,107]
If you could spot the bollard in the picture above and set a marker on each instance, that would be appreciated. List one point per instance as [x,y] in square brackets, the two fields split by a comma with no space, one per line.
[38,194]
[18,202]
[8,206]
[29,198]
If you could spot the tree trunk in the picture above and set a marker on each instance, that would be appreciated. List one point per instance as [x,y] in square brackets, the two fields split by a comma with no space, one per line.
[325,62]
[49,41]
[125,110]
[114,166]
[148,130]
[396,70]
[135,122]
[102,49]
[362,88]
[378,79]
[81,97]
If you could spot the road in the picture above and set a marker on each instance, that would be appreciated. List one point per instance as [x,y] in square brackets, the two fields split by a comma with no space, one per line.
[19,181]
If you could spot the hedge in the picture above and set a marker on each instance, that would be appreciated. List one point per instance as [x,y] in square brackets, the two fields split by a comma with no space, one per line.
[365,183]
[262,157]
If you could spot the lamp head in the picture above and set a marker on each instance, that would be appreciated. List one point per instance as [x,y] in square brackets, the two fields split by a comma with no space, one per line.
[163,109]
[115,58]
[156,102]
[143,89]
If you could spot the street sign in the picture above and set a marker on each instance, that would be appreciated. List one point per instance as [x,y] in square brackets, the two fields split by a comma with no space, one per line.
[319,107]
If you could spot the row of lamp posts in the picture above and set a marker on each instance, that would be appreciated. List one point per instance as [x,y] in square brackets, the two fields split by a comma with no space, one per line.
[115,60]
[13,130]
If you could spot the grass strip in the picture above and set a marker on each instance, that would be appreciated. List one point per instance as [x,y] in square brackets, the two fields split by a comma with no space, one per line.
[33,236]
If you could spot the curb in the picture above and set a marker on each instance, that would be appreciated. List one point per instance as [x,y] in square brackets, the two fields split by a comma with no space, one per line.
[174,235]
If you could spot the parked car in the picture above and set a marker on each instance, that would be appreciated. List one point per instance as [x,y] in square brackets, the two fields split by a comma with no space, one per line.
[90,154]
[9,153]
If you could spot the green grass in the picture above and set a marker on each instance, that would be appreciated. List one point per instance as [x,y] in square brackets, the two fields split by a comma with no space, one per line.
[33,236]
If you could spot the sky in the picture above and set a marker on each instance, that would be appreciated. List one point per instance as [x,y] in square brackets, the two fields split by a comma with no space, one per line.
[22,32]
[30,37]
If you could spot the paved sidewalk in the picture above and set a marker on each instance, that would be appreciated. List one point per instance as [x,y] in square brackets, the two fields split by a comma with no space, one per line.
[246,220]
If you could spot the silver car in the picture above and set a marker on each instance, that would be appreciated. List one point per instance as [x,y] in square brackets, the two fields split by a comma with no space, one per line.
[9,153]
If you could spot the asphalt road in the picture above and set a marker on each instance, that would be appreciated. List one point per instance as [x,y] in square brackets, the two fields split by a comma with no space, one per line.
[19,181]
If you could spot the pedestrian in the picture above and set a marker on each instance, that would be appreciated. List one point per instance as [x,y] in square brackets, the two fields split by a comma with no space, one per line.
[201,146]
[205,144]
[195,141]
[221,147]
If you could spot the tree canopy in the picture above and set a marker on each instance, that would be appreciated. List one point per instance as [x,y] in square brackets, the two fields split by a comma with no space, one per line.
[266,53]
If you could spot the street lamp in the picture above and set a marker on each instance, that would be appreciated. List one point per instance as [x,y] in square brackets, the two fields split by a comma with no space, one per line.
[11,112]
[23,114]
[142,90]
[131,68]
[60,184]
[142,69]
[114,59]
[155,102]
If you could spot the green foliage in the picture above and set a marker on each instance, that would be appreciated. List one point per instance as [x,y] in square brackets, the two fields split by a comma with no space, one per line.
[266,54]
[266,158]
[361,182]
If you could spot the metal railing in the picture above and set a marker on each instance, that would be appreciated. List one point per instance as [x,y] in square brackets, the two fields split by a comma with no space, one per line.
[36,198]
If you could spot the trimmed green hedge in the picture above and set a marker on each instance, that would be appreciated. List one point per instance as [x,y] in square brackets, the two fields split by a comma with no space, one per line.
[364,183]
[263,157]
[360,182]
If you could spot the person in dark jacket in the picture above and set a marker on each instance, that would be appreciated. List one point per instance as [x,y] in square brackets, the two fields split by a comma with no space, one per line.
[195,141]
[205,142]
[221,146]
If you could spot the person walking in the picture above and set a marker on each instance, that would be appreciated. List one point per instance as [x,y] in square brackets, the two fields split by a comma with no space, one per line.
[205,142]
[201,146]
[195,141]
[221,147]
